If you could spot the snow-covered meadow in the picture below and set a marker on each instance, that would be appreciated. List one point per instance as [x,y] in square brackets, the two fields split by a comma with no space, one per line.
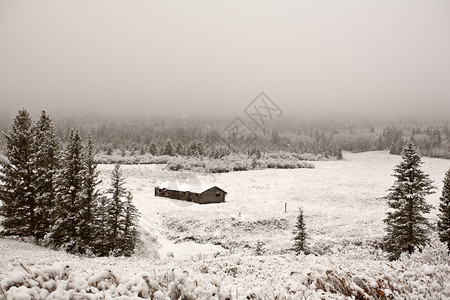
[208,250]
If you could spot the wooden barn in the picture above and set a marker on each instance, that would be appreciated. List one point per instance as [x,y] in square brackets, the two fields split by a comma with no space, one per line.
[189,192]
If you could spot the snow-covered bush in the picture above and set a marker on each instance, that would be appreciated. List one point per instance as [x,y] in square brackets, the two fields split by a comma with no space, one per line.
[434,253]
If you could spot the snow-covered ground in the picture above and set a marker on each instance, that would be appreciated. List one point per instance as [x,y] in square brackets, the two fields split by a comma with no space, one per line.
[342,203]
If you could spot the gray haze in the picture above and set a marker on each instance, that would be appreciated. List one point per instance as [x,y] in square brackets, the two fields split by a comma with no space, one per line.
[206,57]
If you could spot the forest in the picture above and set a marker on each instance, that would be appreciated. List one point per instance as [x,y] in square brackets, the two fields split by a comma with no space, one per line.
[307,139]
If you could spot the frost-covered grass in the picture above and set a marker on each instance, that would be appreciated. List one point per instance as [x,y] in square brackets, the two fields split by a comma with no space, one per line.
[232,163]
[342,200]
[242,277]
[344,212]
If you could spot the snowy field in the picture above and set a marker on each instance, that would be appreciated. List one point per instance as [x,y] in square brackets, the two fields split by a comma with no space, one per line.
[344,211]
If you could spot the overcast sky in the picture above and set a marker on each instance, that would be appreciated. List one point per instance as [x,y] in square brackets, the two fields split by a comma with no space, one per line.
[205,57]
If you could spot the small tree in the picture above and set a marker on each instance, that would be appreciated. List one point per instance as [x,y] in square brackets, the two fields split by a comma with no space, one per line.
[129,227]
[179,149]
[444,209]
[168,148]
[339,153]
[300,234]
[407,228]
[100,244]
[153,149]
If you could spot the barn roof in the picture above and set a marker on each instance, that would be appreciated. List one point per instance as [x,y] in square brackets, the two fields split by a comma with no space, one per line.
[186,186]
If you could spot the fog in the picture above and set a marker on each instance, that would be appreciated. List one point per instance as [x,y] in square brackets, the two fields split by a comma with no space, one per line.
[188,58]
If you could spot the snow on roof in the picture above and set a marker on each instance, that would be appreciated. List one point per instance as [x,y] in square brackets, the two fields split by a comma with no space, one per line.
[184,186]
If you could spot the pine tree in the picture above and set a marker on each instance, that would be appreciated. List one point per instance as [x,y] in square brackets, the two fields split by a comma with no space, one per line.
[100,245]
[89,197]
[153,149]
[444,212]
[168,148]
[407,228]
[179,149]
[65,233]
[300,234]
[45,164]
[115,209]
[16,177]
[339,153]
[130,224]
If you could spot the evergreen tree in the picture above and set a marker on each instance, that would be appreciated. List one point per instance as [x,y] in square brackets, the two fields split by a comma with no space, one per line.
[300,234]
[115,209]
[200,148]
[109,150]
[168,148]
[153,149]
[179,149]
[65,233]
[16,180]
[45,164]
[339,153]
[407,228]
[89,197]
[130,224]
[380,143]
[100,245]
[444,212]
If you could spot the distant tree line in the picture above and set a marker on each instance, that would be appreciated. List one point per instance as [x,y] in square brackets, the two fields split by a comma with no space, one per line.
[328,138]
[51,195]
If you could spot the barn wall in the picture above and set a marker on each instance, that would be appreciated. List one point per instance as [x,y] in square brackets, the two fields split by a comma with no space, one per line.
[172,194]
[209,196]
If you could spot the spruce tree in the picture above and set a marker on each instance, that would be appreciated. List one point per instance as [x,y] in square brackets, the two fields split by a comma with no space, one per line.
[407,228]
[153,149]
[115,209]
[45,164]
[300,234]
[100,244]
[444,212]
[339,153]
[89,197]
[168,148]
[16,180]
[129,227]
[65,233]
[179,149]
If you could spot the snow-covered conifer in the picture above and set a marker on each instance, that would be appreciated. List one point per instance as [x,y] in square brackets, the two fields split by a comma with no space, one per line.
[45,164]
[300,234]
[444,212]
[407,228]
[129,226]
[153,149]
[115,208]
[179,149]
[65,232]
[100,230]
[168,148]
[16,176]
[89,197]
